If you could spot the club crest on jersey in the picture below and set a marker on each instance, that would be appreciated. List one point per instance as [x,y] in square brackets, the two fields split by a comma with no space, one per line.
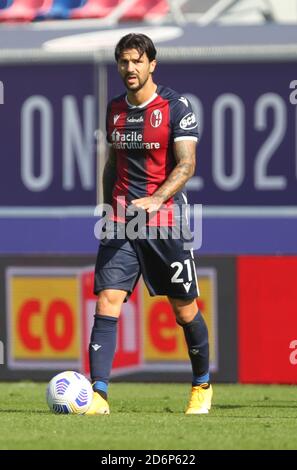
[188,122]
[156,118]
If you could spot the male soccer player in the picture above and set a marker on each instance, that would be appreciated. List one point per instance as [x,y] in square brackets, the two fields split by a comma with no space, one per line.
[152,136]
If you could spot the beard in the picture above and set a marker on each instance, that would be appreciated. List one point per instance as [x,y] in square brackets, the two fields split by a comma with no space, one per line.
[135,87]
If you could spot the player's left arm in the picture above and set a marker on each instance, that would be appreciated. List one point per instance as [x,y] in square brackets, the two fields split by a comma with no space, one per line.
[185,155]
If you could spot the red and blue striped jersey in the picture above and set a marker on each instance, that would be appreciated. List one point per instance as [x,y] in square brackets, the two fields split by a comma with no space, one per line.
[143,138]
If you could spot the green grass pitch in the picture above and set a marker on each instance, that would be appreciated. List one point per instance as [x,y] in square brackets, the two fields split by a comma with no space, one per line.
[150,416]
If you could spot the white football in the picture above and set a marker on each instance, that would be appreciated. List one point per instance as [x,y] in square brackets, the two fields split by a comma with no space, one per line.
[69,392]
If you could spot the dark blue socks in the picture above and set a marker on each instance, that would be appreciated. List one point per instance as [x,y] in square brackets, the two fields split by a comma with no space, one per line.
[101,351]
[196,335]
[103,345]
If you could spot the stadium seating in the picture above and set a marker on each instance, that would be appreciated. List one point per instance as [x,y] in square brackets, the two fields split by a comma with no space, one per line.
[21,11]
[29,10]
[146,10]
[46,6]
[5,3]
[95,9]
[60,9]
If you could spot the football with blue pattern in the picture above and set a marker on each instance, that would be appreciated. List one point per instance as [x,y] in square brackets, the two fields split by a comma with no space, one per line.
[69,392]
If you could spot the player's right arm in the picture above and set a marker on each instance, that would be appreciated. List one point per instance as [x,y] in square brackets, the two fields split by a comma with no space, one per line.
[109,176]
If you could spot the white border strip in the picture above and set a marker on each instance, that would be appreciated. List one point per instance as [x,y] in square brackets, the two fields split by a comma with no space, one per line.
[173,366]
[212,53]
[73,211]
[250,211]
[36,365]
[126,370]
[54,271]
[208,211]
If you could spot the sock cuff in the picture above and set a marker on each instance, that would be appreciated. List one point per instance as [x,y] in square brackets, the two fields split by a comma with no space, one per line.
[99,385]
[198,317]
[198,380]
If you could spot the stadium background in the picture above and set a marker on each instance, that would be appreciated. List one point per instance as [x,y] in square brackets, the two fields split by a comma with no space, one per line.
[56,80]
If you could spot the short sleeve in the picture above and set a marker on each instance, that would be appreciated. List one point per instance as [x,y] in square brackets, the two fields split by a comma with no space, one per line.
[183,120]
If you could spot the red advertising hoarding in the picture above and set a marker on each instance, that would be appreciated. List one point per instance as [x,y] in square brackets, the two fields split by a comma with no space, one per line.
[267,319]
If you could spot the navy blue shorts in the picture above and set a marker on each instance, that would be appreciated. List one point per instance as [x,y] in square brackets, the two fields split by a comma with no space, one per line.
[166,266]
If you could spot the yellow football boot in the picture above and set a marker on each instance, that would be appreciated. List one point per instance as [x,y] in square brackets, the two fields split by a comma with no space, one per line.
[200,401]
[99,406]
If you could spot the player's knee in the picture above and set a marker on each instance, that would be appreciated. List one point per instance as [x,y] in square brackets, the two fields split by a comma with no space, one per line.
[184,317]
[109,303]
[184,310]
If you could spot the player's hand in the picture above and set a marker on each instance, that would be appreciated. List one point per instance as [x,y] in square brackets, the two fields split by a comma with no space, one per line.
[149,204]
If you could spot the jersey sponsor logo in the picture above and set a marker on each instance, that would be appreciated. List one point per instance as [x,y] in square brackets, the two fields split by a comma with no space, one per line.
[131,140]
[188,122]
[116,118]
[134,119]
[132,136]
[156,118]
[184,100]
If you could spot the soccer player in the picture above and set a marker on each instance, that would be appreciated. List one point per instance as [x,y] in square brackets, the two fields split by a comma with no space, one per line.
[152,135]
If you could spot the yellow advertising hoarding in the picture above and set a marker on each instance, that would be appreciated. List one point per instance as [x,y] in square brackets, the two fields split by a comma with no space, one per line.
[164,338]
[46,321]
[44,308]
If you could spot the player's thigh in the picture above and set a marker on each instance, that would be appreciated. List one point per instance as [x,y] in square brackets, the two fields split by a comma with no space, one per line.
[168,268]
[117,268]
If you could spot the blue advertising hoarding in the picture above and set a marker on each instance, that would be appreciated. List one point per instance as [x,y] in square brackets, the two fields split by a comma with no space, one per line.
[247,152]
[246,161]
[47,128]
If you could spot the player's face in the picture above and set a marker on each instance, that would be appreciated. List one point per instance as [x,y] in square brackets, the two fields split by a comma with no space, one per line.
[135,69]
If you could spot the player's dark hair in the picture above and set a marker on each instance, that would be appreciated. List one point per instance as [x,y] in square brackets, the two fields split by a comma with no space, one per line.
[140,42]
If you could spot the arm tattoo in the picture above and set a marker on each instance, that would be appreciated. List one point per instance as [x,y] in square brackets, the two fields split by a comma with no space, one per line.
[109,176]
[185,155]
